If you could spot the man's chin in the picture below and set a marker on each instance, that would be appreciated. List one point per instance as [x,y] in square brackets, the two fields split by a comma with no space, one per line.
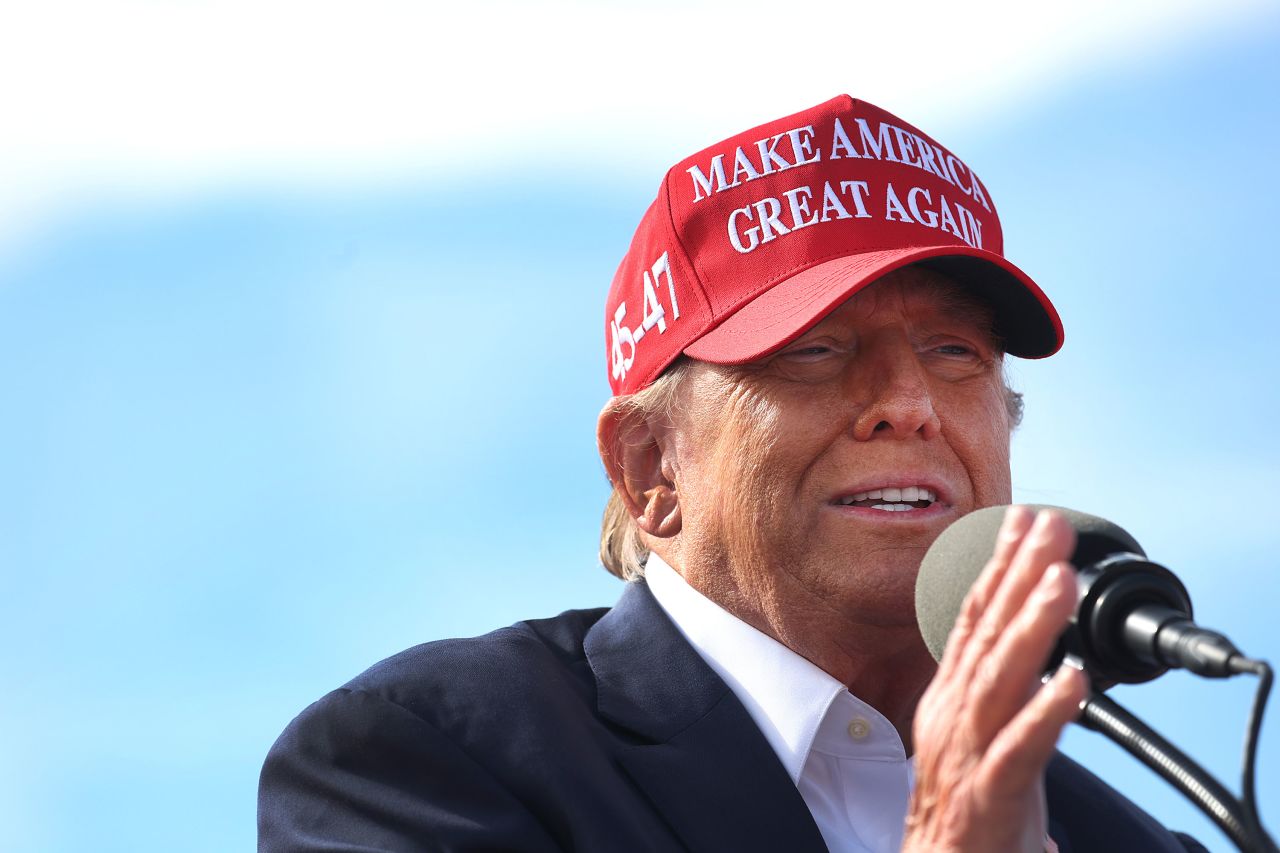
[877,587]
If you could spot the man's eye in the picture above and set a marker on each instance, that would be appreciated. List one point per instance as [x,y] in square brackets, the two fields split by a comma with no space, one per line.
[953,349]
[807,354]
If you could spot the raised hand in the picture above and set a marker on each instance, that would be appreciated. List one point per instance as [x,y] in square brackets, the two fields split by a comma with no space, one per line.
[986,727]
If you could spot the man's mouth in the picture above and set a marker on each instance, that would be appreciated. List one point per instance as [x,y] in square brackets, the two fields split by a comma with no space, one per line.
[903,499]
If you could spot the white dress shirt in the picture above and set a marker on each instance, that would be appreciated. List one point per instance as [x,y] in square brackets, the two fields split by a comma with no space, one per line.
[845,758]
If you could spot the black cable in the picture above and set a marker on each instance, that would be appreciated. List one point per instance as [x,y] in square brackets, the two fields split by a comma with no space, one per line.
[1102,714]
[1248,798]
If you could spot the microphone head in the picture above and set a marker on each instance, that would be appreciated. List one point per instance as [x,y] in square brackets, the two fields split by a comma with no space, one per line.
[956,558]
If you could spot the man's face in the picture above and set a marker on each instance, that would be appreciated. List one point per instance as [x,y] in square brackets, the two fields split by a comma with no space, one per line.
[785,468]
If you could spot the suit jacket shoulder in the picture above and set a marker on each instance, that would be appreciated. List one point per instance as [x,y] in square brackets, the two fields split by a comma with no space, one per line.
[449,745]
[593,730]
[1094,816]
[461,684]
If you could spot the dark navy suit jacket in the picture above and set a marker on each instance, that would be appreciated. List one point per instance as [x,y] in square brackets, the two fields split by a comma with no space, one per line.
[597,730]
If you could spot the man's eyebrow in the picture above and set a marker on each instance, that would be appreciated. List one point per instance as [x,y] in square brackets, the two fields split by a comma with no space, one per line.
[959,304]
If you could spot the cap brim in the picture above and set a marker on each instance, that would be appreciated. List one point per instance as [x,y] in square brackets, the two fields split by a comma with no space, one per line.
[1025,319]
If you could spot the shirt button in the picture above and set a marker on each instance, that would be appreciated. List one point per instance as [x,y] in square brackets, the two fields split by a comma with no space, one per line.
[859,728]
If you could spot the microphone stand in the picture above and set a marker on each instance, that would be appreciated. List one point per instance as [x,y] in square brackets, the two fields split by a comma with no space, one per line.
[1104,715]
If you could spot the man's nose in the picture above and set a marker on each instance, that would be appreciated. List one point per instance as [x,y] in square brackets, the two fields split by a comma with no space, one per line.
[892,389]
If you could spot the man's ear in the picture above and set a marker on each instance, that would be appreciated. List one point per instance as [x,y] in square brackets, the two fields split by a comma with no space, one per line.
[632,448]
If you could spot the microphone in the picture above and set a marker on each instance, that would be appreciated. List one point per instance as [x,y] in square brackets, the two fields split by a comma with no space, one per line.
[1133,621]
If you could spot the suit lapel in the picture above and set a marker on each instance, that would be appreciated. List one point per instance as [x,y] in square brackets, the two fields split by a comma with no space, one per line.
[699,758]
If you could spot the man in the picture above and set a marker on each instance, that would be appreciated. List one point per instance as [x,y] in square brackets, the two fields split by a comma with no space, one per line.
[805,345]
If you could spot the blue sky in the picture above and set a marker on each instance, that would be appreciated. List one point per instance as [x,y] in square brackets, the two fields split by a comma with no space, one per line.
[261,432]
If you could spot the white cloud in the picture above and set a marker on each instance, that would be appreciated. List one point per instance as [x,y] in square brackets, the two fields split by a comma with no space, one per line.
[144,96]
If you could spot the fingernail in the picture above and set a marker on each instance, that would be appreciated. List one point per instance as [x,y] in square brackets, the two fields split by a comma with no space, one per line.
[1039,529]
[1065,679]
[1061,570]
[1013,518]
[1050,582]
[1011,513]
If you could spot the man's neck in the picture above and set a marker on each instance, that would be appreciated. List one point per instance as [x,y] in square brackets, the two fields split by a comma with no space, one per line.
[886,666]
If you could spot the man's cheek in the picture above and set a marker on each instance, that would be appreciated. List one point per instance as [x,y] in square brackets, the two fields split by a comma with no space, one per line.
[994,473]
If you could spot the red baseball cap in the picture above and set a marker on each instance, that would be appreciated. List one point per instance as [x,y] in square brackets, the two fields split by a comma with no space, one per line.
[754,240]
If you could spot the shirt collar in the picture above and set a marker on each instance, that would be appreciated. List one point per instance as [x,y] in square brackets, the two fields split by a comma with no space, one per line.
[787,696]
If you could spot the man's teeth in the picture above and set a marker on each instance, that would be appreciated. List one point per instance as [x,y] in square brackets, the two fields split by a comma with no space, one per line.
[892,500]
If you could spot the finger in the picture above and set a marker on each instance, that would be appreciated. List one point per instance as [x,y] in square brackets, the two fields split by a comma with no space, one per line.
[1011,672]
[1017,521]
[1018,755]
[1050,540]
